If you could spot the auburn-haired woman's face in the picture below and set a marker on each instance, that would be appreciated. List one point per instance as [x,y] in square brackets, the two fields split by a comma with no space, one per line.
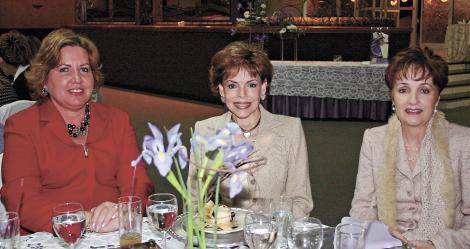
[242,93]
[415,100]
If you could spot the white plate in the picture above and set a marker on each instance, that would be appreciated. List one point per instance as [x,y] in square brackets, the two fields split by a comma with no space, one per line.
[234,230]
[225,239]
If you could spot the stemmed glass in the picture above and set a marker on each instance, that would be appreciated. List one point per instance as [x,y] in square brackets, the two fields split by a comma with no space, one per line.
[282,214]
[162,209]
[306,233]
[68,220]
[260,232]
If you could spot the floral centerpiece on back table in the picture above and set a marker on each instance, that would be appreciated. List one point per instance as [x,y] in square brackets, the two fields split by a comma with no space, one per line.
[213,156]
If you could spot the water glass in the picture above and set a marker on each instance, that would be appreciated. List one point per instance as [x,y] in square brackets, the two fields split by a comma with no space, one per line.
[349,236]
[68,220]
[306,233]
[259,230]
[282,216]
[162,210]
[10,230]
[130,220]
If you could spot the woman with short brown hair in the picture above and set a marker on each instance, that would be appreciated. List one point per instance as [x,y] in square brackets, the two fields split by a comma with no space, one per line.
[414,172]
[241,74]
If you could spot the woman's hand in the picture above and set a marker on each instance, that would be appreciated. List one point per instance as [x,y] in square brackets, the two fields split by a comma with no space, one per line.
[104,218]
[422,244]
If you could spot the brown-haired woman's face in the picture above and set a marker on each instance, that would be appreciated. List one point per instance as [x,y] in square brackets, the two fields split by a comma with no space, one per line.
[70,84]
[242,93]
[415,99]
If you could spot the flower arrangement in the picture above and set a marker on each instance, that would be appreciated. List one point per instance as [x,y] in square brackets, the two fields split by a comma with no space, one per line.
[290,30]
[213,156]
[254,12]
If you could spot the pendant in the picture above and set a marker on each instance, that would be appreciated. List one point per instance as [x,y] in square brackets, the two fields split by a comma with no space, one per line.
[246,134]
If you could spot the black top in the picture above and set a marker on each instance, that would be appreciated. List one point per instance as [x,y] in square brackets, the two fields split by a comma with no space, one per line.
[21,87]
[7,93]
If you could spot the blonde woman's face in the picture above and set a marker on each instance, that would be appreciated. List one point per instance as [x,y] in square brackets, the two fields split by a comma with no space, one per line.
[70,84]
[415,100]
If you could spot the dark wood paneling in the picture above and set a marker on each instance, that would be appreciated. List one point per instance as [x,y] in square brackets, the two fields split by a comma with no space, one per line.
[174,60]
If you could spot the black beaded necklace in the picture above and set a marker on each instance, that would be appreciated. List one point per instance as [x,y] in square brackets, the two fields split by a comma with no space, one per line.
[75,131]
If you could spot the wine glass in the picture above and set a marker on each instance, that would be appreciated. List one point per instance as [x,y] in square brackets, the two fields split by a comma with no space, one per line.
[68,220]
[259,230]
[282,214]
[162,209]
[306,233]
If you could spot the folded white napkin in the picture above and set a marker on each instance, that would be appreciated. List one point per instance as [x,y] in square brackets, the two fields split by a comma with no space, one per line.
[377,235]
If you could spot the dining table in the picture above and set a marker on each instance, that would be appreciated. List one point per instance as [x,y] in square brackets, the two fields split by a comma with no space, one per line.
[91,240]
[329,90]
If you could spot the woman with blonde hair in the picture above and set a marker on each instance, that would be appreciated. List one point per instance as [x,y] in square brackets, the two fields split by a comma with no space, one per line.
[66,148]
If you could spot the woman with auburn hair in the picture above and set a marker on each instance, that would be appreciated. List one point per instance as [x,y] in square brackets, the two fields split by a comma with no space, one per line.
[66,148]
[241,74]
[414,172]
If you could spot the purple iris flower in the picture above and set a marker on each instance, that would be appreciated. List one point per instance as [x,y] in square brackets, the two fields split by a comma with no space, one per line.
[236,153]
[154,150]
[183,157]
[223,137]
[235,183]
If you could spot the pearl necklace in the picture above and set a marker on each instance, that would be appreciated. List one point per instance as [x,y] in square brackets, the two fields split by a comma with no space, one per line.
[247,133]
[75,131]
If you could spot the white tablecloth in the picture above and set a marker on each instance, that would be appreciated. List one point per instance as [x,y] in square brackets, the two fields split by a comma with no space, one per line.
[338,80]
[95,240]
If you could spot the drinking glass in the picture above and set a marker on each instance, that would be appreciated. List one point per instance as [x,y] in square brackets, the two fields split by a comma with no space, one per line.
[9,230]
[306,233]
[130,220]
[282,216]
[162,209]
[349,236]
[260,232]
[68,220]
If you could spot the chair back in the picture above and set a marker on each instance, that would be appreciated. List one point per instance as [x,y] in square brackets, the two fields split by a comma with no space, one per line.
[5,112]
[9,109]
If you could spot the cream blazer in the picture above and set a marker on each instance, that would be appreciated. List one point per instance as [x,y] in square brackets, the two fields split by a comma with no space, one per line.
[280,139]
[408,199]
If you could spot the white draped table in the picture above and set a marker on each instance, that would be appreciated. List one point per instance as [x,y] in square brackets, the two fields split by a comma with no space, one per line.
[337,90]
[95,240]
[43,240]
